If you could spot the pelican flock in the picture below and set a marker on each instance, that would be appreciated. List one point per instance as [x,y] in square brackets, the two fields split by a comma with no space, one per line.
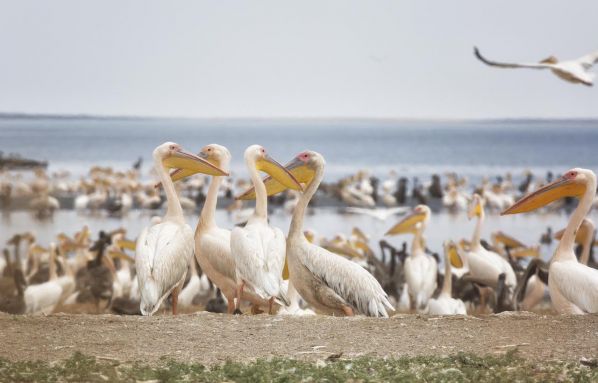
[255,268]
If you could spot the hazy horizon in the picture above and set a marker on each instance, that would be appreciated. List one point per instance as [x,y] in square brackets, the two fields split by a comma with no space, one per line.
[292,60]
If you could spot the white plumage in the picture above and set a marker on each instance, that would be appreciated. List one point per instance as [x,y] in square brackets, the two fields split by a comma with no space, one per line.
[259,252]
[576,71]
[420,275]
[163,252]
[445,304]
[328,282]
[573,286]
[165,249]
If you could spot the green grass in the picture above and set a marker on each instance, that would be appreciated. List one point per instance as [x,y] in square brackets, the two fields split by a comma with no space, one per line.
[459,368]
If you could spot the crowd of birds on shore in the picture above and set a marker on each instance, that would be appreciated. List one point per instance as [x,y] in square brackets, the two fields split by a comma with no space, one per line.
[107,191]
[254,268]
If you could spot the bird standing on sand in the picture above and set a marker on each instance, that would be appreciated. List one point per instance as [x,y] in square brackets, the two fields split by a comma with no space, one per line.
[330,283]
[420,268]
[165,249]
[260,249]
[576,71]
[212,243]
[573,286]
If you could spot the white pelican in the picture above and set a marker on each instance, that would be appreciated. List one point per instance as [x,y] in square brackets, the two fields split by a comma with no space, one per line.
[192,289]
[328,282]
[212,243]
[573,286]
[259,249]
[535,286]
[420,268]
[575,71]
[445,304]
[43,297]
[485,266]
[163,250]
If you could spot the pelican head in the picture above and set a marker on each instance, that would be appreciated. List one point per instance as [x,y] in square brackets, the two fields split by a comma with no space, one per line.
[452,254]
[550,60]
[574,183]
[173,156]
[302,168]
[216,155]
[476,206]
[414,221]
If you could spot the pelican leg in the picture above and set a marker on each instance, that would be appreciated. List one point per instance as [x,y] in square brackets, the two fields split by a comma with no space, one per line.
[348,311]
[175,299]
[238,298]
[231,305]
[270,304]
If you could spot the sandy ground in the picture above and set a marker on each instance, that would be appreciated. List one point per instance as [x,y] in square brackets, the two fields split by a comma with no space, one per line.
[213,338]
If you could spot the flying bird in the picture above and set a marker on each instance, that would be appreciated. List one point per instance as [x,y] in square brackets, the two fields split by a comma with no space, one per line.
[576,71]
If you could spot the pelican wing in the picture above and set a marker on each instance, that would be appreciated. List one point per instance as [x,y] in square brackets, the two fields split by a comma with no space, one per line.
[162,255]
[509,65]
[578,283]
[588,60]
[250,247]
[350,281]
[214,248]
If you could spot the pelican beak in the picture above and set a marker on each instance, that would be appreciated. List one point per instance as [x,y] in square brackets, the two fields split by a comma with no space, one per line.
[120,255]
[200,164]
[507,240]
[181,159]
[281,178]
[285,269]
[126,244]
[453,256]
[277,171]
[407,224]
[360,235]
[475,212]
[523,252]
[562,187]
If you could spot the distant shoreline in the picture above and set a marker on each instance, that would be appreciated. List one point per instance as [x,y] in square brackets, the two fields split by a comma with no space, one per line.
[382,120]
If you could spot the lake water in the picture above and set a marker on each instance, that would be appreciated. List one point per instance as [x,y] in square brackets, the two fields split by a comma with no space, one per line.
[473,148]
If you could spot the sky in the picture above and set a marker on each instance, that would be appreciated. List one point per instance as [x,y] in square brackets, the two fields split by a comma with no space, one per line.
[293,59]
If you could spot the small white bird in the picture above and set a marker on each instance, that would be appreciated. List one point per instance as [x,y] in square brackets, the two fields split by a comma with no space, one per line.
[43,297]
[445,304]
[420,268]
[575,71]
